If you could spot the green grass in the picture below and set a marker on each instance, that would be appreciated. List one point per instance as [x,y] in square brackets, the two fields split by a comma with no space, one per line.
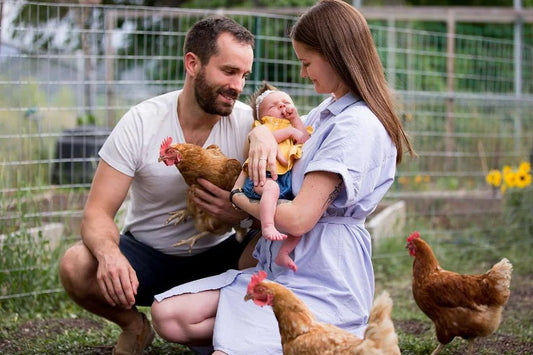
[472,253]
[68,330]
[52,323]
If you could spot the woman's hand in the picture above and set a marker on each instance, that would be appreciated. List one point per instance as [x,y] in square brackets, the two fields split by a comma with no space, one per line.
[263,154]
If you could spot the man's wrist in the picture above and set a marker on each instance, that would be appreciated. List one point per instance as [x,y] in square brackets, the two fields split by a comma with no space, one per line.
[231,194]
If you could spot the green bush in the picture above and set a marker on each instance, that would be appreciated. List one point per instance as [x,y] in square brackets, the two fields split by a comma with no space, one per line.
[517,212]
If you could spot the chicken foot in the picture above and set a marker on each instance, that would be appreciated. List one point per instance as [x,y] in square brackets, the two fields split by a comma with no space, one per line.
[438,349]
[191,241]
[177,217]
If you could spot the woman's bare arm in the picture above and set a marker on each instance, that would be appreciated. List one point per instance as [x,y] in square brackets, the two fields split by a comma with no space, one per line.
[298,216]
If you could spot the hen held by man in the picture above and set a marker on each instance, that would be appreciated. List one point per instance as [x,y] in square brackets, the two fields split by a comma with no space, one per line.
[466,306]
[301,333]
[195,162]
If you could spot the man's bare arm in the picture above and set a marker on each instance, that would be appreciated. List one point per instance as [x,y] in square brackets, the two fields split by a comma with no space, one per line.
[116,278]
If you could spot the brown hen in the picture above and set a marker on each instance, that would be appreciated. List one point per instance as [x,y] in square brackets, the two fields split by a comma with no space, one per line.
[211,164]
[301,333]
[467,306]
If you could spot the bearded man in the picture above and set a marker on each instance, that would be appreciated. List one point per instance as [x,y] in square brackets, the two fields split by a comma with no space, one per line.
[110,272]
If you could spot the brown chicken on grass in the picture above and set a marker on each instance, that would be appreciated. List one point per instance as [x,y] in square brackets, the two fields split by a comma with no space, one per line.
[211,164]
[301,333]
[467,306]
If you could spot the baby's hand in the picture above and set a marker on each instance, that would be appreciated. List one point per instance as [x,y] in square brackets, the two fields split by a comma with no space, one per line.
[299,137]
[290,112]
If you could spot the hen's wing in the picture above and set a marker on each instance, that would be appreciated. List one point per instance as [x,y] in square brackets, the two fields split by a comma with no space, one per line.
[214,149]
[223,171]
[450,289]
[323,339]
[233,169]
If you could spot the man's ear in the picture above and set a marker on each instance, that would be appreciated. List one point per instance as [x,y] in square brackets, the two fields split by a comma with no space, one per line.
[192,64]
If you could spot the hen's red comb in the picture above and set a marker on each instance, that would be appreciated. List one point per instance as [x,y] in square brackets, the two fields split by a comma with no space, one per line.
[415,235]
[166,143]
[256,278]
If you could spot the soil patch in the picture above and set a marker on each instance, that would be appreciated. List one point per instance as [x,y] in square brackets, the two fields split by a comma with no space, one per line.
[46,329]
[519,305]
[498,343]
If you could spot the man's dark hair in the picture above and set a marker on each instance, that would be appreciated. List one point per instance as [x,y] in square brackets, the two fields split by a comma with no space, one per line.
[202,37]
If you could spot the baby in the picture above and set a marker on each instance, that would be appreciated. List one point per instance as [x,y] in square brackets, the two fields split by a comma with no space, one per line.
[275,109]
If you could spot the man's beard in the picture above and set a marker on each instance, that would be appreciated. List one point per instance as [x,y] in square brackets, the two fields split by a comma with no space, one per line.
[206,96]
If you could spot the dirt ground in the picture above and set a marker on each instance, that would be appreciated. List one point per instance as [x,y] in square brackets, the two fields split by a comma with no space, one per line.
[494,344]
[519,303]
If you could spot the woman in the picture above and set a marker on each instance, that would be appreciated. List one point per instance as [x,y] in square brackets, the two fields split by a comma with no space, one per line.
[347,166]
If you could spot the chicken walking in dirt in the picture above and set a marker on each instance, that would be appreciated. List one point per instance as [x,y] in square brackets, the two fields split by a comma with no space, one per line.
[467,306]
[211,164]
[301,333]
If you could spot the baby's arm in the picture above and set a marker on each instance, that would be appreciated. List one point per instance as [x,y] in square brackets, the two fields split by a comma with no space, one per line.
[291,132]
[291,114]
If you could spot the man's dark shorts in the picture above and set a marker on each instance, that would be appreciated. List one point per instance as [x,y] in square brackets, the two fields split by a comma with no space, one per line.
[158,272]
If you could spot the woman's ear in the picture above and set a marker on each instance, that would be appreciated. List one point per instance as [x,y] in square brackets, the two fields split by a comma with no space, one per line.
[191,63]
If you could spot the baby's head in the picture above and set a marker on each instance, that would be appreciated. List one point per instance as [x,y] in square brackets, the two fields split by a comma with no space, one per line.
[269,101]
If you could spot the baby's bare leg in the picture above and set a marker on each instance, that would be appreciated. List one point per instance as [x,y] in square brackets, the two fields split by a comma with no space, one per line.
[283,258]
[267,210]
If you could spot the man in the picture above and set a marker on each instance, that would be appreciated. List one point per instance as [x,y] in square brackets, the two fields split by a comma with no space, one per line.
[109,273]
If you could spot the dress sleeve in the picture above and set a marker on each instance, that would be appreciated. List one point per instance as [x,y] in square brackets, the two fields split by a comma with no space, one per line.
[354,147]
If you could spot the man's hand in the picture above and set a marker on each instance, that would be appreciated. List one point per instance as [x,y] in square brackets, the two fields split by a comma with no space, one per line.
[117,280]
[215,201]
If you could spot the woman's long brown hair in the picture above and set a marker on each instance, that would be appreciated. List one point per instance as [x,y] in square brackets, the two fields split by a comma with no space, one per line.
[340,33]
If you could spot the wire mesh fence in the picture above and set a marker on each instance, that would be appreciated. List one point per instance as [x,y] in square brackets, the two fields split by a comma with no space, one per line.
[69,72]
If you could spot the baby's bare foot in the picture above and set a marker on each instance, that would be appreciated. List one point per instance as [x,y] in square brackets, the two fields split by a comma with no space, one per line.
[285,260]
[271,233]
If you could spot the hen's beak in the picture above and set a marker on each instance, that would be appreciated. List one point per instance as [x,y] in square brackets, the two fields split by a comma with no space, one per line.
[248,297]
[160,159]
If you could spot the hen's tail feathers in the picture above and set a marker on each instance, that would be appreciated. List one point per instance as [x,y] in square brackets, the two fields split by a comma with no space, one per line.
[501,273]
[380,329]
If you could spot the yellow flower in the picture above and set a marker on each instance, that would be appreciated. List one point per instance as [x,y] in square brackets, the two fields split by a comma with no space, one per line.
[506,169]
[403,180]
[418,179]
[523,179]
[510,179]
[427,178]
[525,167]
[494,178]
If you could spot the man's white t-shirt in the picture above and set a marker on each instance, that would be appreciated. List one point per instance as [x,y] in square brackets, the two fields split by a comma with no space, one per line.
[133,149]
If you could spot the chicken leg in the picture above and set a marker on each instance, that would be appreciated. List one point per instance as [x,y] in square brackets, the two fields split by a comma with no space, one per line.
[191,241]
[177,216]
[438,349]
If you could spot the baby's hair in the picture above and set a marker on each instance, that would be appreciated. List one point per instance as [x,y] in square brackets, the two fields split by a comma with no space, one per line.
[252,100]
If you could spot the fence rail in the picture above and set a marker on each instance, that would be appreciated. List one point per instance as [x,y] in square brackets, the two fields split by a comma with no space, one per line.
[69,72]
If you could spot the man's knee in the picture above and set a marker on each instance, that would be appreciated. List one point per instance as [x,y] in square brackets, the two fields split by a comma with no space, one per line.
[75,264]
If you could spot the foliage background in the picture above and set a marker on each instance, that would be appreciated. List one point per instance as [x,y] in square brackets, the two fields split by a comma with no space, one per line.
[58,83]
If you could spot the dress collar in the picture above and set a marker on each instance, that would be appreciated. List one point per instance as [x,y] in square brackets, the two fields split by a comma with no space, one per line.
[339,105]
